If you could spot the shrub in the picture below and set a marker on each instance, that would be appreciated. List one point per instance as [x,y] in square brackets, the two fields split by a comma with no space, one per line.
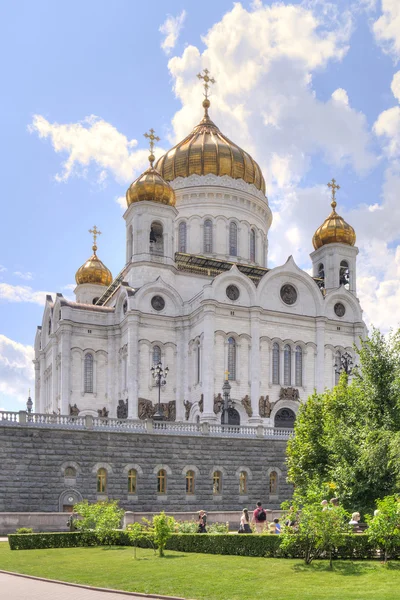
[218,528]
[103,518]
[186,527]
[162,529]
[233,544]
[24,530]
[384,527]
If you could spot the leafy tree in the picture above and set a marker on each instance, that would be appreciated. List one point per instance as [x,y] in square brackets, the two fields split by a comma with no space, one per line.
[162,528]
[137,532]
[104,518]
[384,526]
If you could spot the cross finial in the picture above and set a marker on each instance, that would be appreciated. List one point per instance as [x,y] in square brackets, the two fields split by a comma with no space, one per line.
[226,375]
[95,232]
[153,138]
[205,76]
[333,185]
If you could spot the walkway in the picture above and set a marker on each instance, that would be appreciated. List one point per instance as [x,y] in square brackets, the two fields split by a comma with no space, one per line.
[14,587]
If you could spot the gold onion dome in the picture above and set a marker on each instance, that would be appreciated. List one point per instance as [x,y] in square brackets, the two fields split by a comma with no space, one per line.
[150,186]
[206,150]
[93,270]
[334,230]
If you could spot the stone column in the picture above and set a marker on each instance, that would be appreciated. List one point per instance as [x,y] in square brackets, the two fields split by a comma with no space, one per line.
[320,362]
[133,366]
[54,377]
[65,370]
[208,363]
[181,367]
[255,367]
[37,386]
[112,371]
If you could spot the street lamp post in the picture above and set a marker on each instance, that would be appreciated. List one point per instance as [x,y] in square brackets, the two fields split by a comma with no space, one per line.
[226,394]
[160,377]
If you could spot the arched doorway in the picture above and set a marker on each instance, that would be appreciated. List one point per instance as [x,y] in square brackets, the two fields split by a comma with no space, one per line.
[67,500]
[233,417]
[285,417]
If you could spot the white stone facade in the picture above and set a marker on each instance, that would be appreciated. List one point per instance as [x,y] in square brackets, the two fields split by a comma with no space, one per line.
[196,327]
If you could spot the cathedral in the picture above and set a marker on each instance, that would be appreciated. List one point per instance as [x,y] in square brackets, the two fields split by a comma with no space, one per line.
[195,305]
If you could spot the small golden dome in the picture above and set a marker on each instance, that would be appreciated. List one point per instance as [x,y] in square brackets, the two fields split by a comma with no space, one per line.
[150,186]
[206,150]
[334,230]
[93,270]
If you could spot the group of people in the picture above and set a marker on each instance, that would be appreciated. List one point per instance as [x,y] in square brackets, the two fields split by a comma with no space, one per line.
[258,521]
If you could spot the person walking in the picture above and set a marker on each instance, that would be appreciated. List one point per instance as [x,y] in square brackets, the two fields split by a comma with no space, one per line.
[259,518]
[245,522]
[202,522]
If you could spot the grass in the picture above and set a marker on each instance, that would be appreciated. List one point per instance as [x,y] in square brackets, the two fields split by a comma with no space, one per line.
[206,576]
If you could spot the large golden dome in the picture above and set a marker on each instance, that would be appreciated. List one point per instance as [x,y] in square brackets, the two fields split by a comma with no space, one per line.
[93,270]
[150,186]
[334,229]
[207,150]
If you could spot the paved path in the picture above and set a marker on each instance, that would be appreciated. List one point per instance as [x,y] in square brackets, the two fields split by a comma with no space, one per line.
[21,588]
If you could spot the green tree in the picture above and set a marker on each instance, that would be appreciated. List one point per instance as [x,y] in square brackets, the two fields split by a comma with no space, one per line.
[103,518]
[384,527]
[162,528]
[137,532]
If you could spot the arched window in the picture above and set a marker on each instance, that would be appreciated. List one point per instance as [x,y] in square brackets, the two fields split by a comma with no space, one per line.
[161,482]
[101,481]
[231,359]
[253,245]
[88,377]
[273,483]
[182,236]
[156,355]
[243,482]
[156,239]
[287,365]
[217,482]
[190,482]
[299,366]
[198,363]
[337,366]
[208,236]
[233,239]
[321,276]
[344,274]
[275,363]
[70,472]
[132,481]
[49,326]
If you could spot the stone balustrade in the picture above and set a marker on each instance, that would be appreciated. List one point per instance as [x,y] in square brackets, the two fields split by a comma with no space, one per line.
[89,422]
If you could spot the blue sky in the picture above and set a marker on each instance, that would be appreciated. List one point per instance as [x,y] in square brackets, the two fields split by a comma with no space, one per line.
[311,89]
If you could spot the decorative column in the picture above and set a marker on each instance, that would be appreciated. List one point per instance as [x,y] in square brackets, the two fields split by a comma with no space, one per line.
[133,366]
[320,362]
[181,367]
[54,376]
[65,370]
[111,373]
[255,365]
[37,385]
[208,363]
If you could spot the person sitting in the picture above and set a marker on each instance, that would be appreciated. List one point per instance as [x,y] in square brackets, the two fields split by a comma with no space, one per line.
[275,526]
[324,504]
[334,502]
[245,522]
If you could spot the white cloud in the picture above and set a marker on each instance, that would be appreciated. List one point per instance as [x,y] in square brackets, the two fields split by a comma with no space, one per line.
[16,369]
[92,141]
[2,269]
[121,200]
[21,293]
[387,28]
[171,28]
[28,276]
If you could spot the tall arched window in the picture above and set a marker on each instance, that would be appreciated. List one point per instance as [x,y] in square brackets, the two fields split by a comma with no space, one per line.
[344,274]
[338,357]
[88,374]
[287,365]
[321,276]
[49,326]
[299,366]
[217,482]
[182,236]
[275,363]
[190,482]
[231,358]
[208,236]
[243,482]
[273,483]
[156,239]
[233,239]
[162,482]
[253,245]
[198,363]
[132,481]
[156,355]
[101,481]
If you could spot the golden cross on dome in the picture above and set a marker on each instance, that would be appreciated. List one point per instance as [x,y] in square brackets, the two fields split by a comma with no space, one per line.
[153,138]
[95,232]
[207,80]
[226,375]
[333,185]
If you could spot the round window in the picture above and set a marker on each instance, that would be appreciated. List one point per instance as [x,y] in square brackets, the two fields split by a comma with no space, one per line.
[339,309]
[288,294]
[70,499]
[232,291]
[158,302]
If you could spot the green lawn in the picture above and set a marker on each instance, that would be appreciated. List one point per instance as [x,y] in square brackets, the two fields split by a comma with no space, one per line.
[206,576]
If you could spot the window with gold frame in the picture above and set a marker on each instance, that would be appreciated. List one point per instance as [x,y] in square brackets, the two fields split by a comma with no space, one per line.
[243,482]
[190,482]
[132,481]
[217,483]
[101,481]
[273,483]
[162,482]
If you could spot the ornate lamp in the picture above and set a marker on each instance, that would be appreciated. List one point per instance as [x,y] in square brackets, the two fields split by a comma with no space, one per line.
[160,377]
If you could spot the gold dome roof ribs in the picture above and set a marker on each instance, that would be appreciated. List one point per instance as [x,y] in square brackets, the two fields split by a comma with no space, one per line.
[93,270]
